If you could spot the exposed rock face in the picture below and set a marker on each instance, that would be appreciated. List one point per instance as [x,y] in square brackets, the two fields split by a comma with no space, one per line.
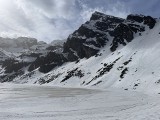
[51,61]
[122,34]
[12,65]
[148,20]
[91,36]
[125,31]
[76,48]
[13,68]
[107,19]
[136,28]
[3,57]
[48,62]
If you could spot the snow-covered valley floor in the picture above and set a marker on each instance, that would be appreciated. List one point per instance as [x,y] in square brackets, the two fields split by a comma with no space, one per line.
[24,102]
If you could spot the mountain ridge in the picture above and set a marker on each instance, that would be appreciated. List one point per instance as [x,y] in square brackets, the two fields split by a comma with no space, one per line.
[103,52]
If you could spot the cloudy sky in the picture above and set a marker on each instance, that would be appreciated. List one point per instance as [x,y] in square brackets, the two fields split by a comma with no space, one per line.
[48,20]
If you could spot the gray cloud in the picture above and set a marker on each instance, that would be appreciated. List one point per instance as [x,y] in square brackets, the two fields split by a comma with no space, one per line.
[147,7]
[56,19]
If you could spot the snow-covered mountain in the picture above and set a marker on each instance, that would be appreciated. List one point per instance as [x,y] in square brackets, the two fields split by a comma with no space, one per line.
[106,51]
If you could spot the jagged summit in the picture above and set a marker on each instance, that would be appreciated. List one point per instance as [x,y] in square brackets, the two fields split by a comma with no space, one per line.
[97,15]
[95,33]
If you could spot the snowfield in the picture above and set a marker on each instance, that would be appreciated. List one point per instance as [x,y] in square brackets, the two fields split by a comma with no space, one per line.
[27,102]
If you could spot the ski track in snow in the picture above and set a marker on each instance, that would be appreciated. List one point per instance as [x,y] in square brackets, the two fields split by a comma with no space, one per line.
[26,102]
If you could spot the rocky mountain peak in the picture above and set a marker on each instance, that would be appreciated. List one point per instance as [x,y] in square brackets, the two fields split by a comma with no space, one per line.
[103,17]
[94,34]
[100,32]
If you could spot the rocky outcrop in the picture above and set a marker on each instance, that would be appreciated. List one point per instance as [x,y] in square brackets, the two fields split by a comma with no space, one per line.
[13,68]
[12,65]
[79,48]
[47,63]
[105,18]
[122,34]
[125,31]
[147,20]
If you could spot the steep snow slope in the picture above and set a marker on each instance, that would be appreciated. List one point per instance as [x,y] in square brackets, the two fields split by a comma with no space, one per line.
[135,66]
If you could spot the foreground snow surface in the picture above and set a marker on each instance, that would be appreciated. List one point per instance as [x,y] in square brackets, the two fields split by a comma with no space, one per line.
[25,102]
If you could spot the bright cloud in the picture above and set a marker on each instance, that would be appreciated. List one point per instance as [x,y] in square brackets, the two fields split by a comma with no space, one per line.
[48,20]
